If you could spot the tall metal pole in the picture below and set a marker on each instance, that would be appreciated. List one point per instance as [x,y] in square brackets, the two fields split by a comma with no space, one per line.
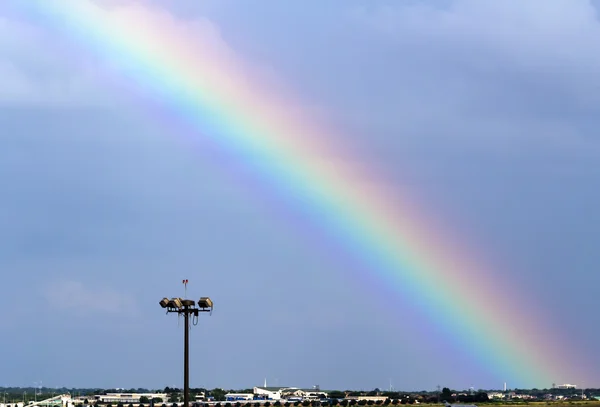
[186,358]
[187,308]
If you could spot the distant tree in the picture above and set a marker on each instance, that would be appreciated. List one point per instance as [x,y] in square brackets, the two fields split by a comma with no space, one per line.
[218,394]
[446,394]
[336,394]
[173,397]
[482,397]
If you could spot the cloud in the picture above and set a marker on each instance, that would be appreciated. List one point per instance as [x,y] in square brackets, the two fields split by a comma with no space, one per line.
[548,38]
[33,68]
[79,298]
[475,76]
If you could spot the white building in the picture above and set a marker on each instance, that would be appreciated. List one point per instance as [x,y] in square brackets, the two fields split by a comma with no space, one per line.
[307,394]
[566,386]
[269,393]
[280,393]
[62,400]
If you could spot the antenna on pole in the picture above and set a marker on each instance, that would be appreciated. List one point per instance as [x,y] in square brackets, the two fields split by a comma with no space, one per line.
[185,283]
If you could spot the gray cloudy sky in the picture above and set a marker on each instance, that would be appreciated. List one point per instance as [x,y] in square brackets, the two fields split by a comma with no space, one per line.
[488,110]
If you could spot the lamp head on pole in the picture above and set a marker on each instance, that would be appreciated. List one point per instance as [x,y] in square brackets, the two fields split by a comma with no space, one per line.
[205,304]
[175,303]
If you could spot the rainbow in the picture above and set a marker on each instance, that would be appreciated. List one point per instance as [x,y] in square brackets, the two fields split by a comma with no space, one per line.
[205,88]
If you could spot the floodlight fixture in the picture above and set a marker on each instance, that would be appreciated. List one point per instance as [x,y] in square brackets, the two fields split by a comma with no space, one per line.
[164,302]
[205,303]
[175,303]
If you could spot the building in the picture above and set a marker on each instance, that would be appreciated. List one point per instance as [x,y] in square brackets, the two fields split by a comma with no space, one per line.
[312,394]
[302,394]
[239,396]
[130,398]
[566,386]
[269,393]
[281,393]
[368,398]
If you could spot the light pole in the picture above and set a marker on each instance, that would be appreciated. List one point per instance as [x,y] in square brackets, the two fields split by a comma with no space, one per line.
[35,390]
[187,308]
